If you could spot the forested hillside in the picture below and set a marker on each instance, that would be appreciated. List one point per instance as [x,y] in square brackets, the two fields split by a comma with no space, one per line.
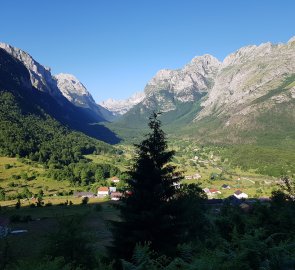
[29,130]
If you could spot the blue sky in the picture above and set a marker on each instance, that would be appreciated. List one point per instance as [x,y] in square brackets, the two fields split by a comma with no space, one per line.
[115,47]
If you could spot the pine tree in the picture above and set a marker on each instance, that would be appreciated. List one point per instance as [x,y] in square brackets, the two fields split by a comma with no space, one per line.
[147,213]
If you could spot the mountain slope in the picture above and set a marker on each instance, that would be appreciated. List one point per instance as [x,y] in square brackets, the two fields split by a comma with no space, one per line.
[27,129]
[247,98]
[173,92]
[75,92]
[41,88]
[253,94]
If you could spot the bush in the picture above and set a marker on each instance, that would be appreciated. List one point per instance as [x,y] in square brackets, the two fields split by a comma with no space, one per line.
[18,204]
[7,166]
[85,200]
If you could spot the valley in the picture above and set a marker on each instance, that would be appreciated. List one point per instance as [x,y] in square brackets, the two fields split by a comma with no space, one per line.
[204,154]
[23,178]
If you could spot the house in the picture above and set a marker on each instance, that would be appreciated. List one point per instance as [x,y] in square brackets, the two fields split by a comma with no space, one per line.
[225,186]
[116,196]
[115,179]
[240,195]
[4,227]
[214,191]
[211,191]
[84,194]
[112,189]
[102,192]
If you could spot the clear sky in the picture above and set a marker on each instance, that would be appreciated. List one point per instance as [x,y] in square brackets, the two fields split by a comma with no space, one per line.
[115,47]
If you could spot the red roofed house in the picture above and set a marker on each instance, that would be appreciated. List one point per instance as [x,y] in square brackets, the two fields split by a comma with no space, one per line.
[214,191]
[102,192]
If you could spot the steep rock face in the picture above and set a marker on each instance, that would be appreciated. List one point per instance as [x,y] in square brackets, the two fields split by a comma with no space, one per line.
[74,90]
[22,76]
[60,86]
[184,85]
[40,76]
[120,107]
[174,93]
[250,80]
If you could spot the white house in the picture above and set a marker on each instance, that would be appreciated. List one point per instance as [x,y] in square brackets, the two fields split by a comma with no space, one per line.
[112,189]
[240,195]
[102,192]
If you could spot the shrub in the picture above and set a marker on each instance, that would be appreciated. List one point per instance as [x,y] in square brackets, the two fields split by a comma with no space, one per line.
[7,166]
[18,204]
[85,200]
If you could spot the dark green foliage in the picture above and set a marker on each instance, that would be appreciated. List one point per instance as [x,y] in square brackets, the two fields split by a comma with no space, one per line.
[42,139]
[85,200]
[264,159]
[2,194]
[153,210]
[18,204]
[70,243]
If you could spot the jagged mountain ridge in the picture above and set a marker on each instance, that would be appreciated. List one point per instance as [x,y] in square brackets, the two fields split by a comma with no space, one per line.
[75,92]
[42,90]
[208,97]
[120,107]
[66,85]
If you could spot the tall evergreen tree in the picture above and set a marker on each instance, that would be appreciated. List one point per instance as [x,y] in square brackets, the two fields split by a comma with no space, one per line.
[147,212]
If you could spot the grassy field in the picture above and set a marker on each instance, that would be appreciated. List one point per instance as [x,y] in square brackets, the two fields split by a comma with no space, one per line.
[45,221]
[15,175]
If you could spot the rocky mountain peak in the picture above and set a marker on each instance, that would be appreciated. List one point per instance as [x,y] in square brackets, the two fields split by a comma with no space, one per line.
[74,90]
[248,74]
[183,85]
[291,40]
[41,77]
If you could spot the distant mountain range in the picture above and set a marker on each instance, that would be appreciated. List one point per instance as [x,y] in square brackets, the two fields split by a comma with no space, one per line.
[249,96]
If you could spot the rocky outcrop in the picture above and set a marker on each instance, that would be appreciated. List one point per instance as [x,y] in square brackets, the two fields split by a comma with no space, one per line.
[248,75]
[184,85]
[41,77]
